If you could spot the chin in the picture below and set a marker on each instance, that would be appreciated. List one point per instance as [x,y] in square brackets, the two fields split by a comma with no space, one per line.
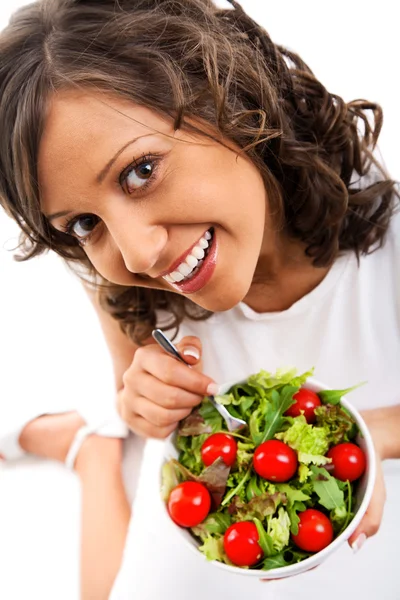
[220,302]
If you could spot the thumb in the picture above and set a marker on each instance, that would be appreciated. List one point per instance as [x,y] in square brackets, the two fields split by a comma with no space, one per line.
[191,349]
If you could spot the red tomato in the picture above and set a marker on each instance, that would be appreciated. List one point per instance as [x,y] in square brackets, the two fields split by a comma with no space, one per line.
[275,461]
[348,461]
[189,503]
[241,544]
[219,445]
[306,402]
[315,531]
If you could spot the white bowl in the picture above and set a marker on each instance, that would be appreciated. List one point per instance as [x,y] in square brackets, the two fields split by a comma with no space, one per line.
[363,496]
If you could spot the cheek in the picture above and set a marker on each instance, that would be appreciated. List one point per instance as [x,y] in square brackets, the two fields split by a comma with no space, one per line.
[108,262]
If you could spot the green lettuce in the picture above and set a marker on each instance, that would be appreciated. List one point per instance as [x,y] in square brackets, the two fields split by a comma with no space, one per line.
[310,442]
[279,529]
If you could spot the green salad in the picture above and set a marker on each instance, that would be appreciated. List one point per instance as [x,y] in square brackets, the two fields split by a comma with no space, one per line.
[275,492]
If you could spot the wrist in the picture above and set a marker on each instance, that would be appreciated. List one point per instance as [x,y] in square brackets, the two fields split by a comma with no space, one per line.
[384,426]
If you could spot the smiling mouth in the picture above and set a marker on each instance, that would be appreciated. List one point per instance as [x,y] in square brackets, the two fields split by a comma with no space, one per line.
[188,268]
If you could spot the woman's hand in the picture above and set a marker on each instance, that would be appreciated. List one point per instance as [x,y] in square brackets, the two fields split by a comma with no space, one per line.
[371,521]
[158,390]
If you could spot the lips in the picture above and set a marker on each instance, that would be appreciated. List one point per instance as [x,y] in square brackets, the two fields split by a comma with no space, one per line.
[203,275]
[180,260]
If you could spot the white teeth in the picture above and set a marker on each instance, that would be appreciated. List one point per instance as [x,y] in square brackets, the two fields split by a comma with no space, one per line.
[185,269]
[191,261]
[198,252]
[176,276]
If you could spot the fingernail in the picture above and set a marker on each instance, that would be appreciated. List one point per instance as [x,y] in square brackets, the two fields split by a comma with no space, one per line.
[212,389]
[191,351]
[359,542]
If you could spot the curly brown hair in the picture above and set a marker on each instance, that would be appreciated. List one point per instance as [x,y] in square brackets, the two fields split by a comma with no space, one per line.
[188,59]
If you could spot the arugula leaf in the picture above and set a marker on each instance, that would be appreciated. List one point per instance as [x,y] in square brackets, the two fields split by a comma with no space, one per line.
[285,558]
[292,494]
[210,415]
[253,489]
[270,417]
[264,540]
[237,489]
[334,396]
[326,488]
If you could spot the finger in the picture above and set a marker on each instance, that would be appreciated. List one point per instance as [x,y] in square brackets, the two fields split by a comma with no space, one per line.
[166,395]
[373,517]
[174,373]
[145,429]
[191,349]
[158,415]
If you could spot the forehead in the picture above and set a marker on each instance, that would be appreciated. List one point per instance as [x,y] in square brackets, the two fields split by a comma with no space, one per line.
[83,126]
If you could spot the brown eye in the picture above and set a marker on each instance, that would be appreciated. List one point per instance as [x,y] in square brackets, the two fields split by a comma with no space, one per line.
[83,226]
[137,176]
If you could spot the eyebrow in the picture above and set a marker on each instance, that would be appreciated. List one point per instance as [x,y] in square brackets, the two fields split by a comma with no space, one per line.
[57,215]
[99,178]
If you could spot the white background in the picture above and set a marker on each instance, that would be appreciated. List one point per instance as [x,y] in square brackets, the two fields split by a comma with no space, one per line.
[51,349]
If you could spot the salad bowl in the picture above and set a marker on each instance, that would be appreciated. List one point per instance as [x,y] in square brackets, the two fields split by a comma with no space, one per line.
[362,496]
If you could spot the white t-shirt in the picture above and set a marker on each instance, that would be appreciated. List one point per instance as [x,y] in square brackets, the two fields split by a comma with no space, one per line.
[348,328]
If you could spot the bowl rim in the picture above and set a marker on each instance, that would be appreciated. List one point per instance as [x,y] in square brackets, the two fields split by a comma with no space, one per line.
[317,558]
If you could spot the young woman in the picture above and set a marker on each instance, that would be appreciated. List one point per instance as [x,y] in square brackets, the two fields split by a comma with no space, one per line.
[203,180]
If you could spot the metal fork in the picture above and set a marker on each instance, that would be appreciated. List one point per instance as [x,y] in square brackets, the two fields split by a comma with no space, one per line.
[232,423]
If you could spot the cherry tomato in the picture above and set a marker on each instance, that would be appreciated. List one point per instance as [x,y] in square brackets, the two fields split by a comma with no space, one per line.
[275,461]
[241,544]
[219,445]
[315,531]
[306,402]
[189,503]
[348,461]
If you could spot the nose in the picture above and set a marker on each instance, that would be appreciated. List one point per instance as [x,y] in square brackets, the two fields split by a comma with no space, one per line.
[140,246]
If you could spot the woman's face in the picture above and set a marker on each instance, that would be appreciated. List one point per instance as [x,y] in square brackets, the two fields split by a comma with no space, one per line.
[147,202]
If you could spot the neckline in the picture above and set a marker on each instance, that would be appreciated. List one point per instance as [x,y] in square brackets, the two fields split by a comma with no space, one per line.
[306,302]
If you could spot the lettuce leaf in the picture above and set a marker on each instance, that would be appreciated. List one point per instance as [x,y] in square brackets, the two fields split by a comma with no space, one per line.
[194,424]
[279,529]
[170,480]
[213,477]
[259,507]
[341,425]
[215,523]
[308,440]
[213,548]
